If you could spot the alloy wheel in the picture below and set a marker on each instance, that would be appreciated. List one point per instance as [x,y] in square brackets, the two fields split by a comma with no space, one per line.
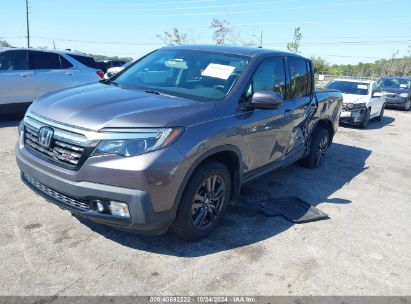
[321,150]
[208,202]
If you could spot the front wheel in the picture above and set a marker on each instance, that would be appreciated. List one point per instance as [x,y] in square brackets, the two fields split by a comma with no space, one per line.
[320,143]
[204,201]
[407,105]
[366,119]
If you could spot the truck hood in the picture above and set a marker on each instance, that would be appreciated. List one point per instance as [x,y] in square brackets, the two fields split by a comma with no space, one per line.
[98,106]
[352,98]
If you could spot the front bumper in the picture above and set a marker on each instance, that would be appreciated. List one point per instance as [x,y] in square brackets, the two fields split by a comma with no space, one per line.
[65,193]
[352,117]
[396,102]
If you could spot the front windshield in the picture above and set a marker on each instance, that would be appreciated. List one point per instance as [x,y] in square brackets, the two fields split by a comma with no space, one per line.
[395,83]
[349,87]
[198,75]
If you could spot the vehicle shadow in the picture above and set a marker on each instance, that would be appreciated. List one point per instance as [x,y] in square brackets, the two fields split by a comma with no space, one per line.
[373,124]
[11,120]
[244,223]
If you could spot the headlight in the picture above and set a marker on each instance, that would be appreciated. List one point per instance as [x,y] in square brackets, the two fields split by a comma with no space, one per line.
[133,143]
[355,106]
[404,95]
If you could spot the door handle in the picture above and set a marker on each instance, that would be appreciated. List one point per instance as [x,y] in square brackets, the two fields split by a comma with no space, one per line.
[24,75]
[70,74]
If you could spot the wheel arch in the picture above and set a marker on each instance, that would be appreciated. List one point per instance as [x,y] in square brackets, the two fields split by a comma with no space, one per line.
[228,155]
[326,124]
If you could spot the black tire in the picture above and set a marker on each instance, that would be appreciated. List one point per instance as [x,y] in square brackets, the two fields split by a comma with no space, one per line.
[196,218]
[379,118]
[320,143]
[366,119]
[407,105]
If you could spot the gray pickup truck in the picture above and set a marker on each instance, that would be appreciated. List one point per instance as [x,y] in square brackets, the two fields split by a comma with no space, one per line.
[168,142]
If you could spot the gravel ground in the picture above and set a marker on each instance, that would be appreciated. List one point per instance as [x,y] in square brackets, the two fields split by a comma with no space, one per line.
[363,249]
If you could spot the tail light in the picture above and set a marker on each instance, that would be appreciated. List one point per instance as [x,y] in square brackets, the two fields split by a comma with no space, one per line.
[100,73]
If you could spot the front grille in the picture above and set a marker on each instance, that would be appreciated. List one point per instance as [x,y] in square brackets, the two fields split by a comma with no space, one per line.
[59,152]
[59,197]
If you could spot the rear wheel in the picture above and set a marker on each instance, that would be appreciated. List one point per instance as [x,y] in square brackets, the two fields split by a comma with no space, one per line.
[204,201]
[379,118]
[320,143]
[366,119]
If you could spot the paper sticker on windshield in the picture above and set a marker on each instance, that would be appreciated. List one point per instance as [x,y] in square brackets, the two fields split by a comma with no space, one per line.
[362,87]
[218,71]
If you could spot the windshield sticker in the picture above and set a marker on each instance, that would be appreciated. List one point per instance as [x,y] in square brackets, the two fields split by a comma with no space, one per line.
[218,71]
[362,87]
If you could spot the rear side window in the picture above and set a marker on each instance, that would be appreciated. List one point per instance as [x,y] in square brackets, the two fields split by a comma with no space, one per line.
[269,76]
[87,61]
[44,61]
[65,64]
[300,77]
[13,61]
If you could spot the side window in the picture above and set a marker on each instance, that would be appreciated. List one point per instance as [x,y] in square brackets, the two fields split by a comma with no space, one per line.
[44,61]
[87,61]
[65,64]
[269,76]
[13,61]
[299,75]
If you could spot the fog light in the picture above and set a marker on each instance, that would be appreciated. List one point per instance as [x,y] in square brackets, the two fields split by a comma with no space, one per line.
[99,206]
[119,209]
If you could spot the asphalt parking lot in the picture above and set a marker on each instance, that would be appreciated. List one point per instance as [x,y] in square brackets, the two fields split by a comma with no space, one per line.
[363,249]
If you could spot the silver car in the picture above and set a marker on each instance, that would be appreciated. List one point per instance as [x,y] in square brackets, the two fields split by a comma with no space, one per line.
[28,73]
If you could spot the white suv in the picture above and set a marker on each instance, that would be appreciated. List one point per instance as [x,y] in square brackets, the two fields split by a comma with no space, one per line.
[28,73]
[362,100]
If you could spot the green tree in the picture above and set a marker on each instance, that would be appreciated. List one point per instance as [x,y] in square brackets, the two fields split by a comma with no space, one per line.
[295,44]
[4,43]
[320,65]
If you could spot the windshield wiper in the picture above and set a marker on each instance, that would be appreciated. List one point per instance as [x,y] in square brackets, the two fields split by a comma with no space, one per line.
[115,83]
[159,93]
[153,92]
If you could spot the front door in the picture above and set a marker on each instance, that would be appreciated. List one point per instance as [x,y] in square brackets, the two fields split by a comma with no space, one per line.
[267,131]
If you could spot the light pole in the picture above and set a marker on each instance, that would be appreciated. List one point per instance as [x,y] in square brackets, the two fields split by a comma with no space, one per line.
[27,23]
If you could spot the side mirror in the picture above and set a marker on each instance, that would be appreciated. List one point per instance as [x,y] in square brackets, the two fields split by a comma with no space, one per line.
[376,94]
[266,100]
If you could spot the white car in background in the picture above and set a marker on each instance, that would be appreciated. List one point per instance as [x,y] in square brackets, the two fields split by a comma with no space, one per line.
[362,100]
[28,73]
[113,71]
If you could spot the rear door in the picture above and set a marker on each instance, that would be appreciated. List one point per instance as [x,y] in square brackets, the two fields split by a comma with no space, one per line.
[302,98]
[16,80]
[51,72]
[376,102]
[267,131]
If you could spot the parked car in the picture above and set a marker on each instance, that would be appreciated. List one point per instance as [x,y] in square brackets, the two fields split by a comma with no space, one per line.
[104,65]
[28,73]
[168,142]
[362,100]
[396,91]
[113,71]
